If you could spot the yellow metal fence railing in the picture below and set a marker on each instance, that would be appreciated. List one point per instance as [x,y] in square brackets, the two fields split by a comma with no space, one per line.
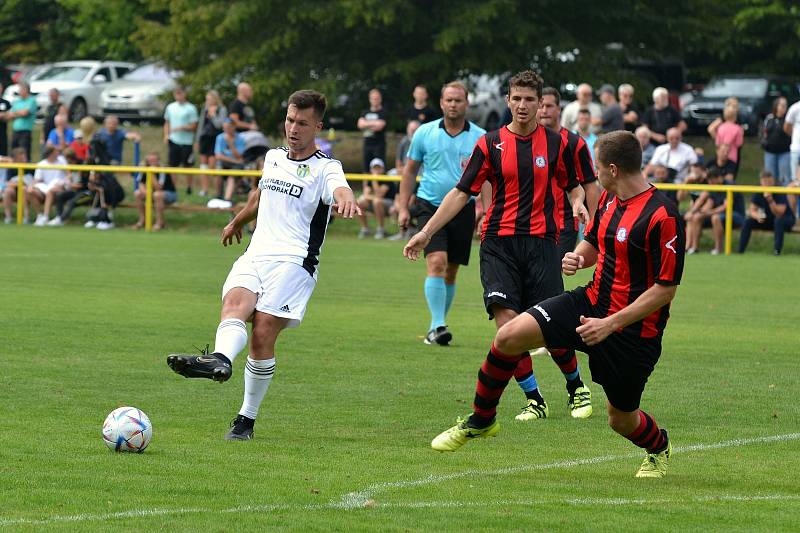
[150,172]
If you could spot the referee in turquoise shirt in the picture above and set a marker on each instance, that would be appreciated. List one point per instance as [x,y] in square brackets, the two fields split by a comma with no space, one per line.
[443,148]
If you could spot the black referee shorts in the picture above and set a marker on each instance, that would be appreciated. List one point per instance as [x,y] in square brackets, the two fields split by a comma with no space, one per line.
[455,237]
[519,271]
[621,363]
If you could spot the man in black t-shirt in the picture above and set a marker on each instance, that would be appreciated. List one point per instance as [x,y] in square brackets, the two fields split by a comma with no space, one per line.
[661,116]
[54,107]
[421,111]
[725,166]
[372,124]
[631,112]
[767,211]
[240,112]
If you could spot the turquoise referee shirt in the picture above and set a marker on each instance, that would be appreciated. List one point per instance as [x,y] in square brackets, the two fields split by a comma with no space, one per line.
[443,157]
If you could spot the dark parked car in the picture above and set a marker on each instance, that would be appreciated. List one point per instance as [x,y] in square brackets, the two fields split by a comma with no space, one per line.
[755,94]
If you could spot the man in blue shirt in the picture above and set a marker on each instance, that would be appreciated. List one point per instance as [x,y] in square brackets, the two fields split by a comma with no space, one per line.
[767,211]
[23,112]
[113,137]
[180,123]
[229,149]
[443,148]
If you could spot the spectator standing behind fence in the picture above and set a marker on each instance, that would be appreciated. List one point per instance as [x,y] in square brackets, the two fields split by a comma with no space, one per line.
[404,145]
[792,127]
[372,124]
[23,111]
[661,116]
[727,131]
[583,95]
[240,110]
[46,183]
[54,108]
[212,116]
[775,143]
[420,111]
[61,135]
[18,155]
[630,109]
[611,118]
[767,211]
[180,123]
[113,137]
[228,150]
[5,107]
[584,129]
[164,193]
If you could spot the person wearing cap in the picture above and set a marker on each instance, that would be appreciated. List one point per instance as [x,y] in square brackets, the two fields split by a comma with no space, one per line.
[611,118]
[377,197]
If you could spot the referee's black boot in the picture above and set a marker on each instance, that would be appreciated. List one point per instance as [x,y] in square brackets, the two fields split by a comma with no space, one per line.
[209,366]
[440,336]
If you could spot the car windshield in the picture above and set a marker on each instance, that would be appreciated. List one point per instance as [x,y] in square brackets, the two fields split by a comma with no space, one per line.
[741,88]
[149,73]
[64,73]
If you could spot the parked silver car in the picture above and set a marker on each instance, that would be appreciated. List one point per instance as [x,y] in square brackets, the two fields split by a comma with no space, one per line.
[140,93]
[79,82]
[487,100]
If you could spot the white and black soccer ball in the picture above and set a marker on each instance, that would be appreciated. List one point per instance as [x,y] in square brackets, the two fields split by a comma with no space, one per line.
[127,429]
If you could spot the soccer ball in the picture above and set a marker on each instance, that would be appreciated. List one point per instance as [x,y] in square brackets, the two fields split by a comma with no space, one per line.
[127,429]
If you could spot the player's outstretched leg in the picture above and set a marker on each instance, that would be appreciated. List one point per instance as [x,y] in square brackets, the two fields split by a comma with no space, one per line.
[580,397]
[493,376]
[231,338]
[535,408]
[646,434]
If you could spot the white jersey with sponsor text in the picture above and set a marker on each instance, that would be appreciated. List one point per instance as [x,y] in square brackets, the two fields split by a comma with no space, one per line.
[294,208]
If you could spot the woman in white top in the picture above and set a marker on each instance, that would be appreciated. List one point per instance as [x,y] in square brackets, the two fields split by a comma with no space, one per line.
[47,182]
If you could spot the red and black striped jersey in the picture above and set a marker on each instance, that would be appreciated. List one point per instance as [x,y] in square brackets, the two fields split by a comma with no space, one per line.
[582,166]
[527,175]
[640,241]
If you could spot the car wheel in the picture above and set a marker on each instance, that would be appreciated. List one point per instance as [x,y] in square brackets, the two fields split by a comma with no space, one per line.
[77,110]
[492,122]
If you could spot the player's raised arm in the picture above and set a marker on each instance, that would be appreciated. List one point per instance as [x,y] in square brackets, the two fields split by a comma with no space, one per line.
[345,202]
[247,214]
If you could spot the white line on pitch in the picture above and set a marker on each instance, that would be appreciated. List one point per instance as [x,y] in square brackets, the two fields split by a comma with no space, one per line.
[363,498]
[360,498]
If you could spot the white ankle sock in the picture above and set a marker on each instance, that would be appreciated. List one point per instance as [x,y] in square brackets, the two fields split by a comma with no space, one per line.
[257,377]
[231,338]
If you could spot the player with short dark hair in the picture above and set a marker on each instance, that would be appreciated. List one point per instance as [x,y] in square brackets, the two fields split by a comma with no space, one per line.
[528,168]
[637,241]
[549,116]
[272,281]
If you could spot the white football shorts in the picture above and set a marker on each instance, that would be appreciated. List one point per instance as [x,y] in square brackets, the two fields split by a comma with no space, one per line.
[283,288]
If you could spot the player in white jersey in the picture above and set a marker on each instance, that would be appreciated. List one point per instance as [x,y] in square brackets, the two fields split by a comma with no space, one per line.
[272,281]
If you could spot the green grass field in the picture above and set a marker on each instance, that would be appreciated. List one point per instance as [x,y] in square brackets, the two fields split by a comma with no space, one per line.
[342,443]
